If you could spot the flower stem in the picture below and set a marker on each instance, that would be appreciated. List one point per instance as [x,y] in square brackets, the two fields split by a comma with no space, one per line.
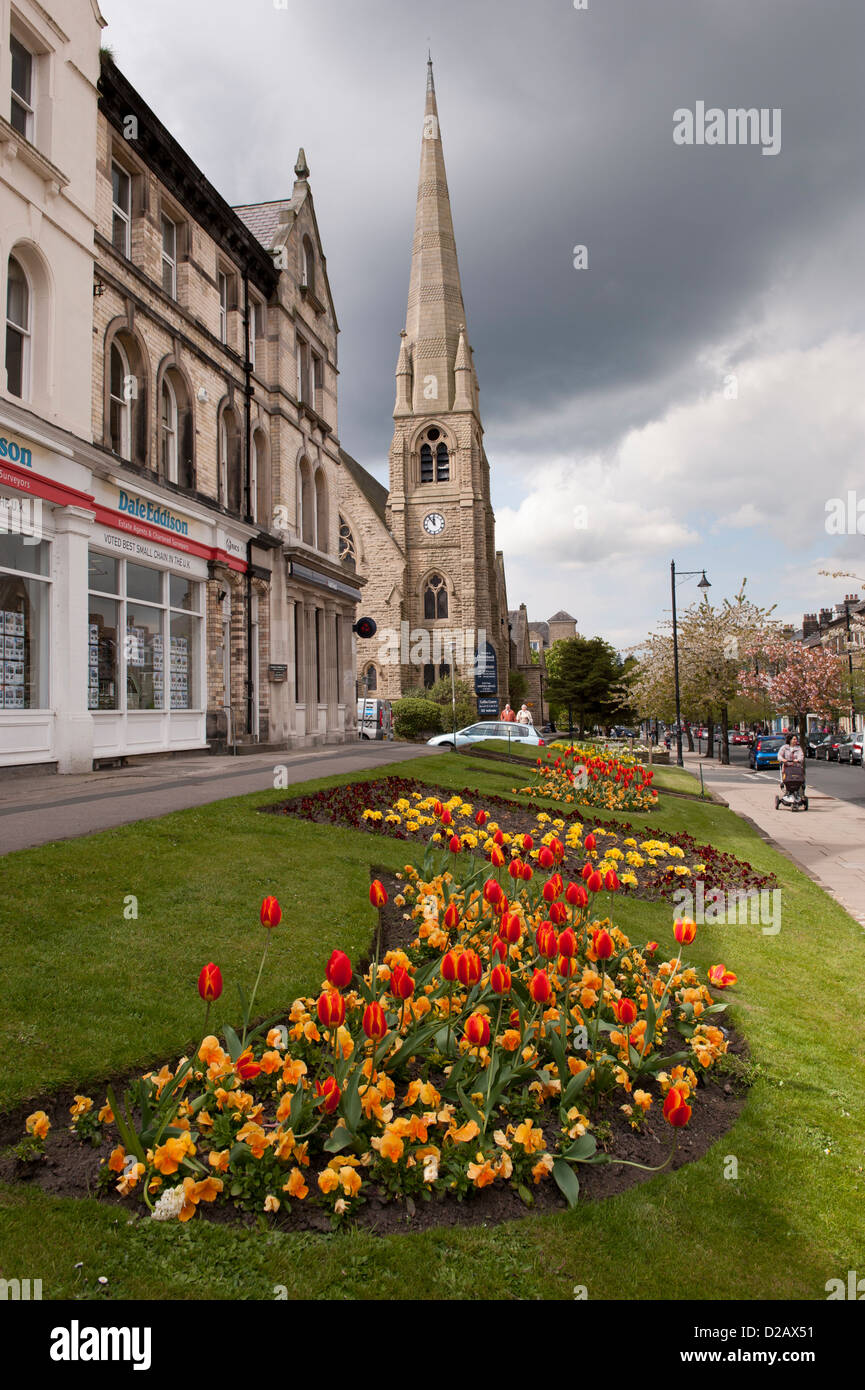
[255,991]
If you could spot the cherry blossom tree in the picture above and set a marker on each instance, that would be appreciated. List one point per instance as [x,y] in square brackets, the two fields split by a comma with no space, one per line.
[793,679]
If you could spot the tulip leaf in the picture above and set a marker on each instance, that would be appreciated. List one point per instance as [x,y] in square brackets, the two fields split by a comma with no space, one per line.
[131,1141]
[296,1108]
[526,1195]
[340,1139]
[574,1086]
[264,1027]
[582,1149]
[659,1062]
[567,1180]
[470,1107]
[232,1042]
[714,1009]
[351,1103]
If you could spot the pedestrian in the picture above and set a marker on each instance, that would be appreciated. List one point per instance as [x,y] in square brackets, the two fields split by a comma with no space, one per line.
[507,715]
[524,715]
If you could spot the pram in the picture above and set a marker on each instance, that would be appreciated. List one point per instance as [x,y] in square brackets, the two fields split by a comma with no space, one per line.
[793,795]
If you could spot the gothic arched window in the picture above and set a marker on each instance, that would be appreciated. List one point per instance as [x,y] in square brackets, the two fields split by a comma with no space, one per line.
[435,598]
[347,552]
[426,463]
[443,467]
[371,678]
[434,457]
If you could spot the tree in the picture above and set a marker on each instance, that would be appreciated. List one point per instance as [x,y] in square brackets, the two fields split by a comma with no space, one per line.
[793,679]
[584,679]
[518,687]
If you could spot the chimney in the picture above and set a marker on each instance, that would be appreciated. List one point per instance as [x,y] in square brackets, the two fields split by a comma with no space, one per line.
[825,617]
[809,624]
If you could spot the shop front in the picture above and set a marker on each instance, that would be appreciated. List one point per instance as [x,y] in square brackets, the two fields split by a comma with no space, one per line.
[103,612]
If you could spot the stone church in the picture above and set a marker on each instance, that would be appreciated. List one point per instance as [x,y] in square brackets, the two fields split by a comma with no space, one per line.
[435,583]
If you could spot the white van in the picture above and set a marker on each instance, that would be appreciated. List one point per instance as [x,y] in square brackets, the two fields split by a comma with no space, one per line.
[374,719]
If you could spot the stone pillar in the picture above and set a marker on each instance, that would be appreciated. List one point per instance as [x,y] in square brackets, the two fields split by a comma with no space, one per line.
[73,726]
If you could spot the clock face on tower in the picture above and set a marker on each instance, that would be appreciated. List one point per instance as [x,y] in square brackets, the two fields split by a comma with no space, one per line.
[433,523]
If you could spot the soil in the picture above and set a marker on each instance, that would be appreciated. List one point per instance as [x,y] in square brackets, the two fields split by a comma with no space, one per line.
[69,1167]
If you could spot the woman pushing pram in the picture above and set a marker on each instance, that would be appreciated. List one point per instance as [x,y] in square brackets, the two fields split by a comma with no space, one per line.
[792,761]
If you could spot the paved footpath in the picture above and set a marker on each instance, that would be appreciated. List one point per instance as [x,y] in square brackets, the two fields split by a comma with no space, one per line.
[827,840]
[35,809]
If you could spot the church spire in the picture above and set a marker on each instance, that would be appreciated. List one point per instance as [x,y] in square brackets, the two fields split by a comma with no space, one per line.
[435,314]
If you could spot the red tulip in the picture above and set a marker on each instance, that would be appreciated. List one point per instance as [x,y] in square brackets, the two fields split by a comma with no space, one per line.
[374,1022]
[455,844]
[511,928]
[684,930]
[594,882]
[567,966]
[330,1090]
[549,892]
[452,916]
[721,977]
[677,1112]
[546,940]
[527,843]
[331,1009]
[499,948]
[603,944]
[339,970]
[437,808]
[271,913]
[590,842]
[210,983]
[625,1011]
[497,859]
[446,817]
[558,914]
[492,890]
[377,894]
[469,968]
[539,987]
[515,868]
[586,871]
[611,881]
[245,1068]
[481,818]
[478,1030]
[528,872]
[499,837]
[576,895]
[557,849]
[449,967]
[401,983]
[651,948]
[545,857]
[514,1018]
[500,979]
[568,943]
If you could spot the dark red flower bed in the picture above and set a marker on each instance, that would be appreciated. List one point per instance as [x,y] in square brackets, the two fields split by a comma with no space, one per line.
[345,805]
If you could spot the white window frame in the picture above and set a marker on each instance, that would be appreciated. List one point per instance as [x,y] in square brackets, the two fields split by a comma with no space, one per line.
[24,330]
[222,284]
[253,476]
[122,401]
[17,98]
[168,432]
[169,262]
[120,213]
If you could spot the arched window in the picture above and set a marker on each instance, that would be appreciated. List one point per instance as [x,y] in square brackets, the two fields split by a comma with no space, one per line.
[321,512]
[371,678]
[306,504]
[347,552]
[434,457]
[120,402]
[230,465]
[127,399]
[18,320]
[435,598]
[260,476]
[168,430]
[308,267]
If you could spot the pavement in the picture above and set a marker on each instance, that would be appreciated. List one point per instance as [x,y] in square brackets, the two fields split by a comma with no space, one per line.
[827,840]
[36,808]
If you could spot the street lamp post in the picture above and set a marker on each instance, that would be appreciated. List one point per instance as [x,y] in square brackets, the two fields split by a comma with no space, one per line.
[703,584]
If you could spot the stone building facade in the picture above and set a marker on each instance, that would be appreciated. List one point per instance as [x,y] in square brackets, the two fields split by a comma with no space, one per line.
[427,544]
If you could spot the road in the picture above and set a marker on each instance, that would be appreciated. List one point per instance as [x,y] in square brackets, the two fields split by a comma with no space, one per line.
[845,782]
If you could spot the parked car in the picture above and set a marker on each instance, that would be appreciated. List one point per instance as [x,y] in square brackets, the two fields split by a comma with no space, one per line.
[850,751]
[374,719]
[828,747]
[812,738]
[739,738]
[764,751]
[476,733]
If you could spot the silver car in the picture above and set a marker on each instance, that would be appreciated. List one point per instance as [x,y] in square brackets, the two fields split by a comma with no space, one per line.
[524,734]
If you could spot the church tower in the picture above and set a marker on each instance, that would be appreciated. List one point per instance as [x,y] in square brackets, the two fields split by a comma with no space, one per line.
[438,508]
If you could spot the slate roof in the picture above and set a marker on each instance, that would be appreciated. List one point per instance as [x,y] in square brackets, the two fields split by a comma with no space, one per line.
[562,617]
[263,219]
[374,491]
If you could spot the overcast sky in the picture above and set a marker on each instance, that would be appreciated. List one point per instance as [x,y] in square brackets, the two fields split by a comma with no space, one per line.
[699,388]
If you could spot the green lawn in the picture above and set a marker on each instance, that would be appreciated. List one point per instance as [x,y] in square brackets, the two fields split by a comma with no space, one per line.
[87,992]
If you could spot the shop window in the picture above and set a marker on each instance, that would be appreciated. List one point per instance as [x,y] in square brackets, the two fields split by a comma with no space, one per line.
[24,630]
[144,638]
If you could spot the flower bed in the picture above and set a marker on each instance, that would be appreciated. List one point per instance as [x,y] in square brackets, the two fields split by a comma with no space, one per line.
[581,775]
[648,863]
[494,1048]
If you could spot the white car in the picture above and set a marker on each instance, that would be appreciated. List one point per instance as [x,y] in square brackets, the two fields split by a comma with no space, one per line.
[476,733]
